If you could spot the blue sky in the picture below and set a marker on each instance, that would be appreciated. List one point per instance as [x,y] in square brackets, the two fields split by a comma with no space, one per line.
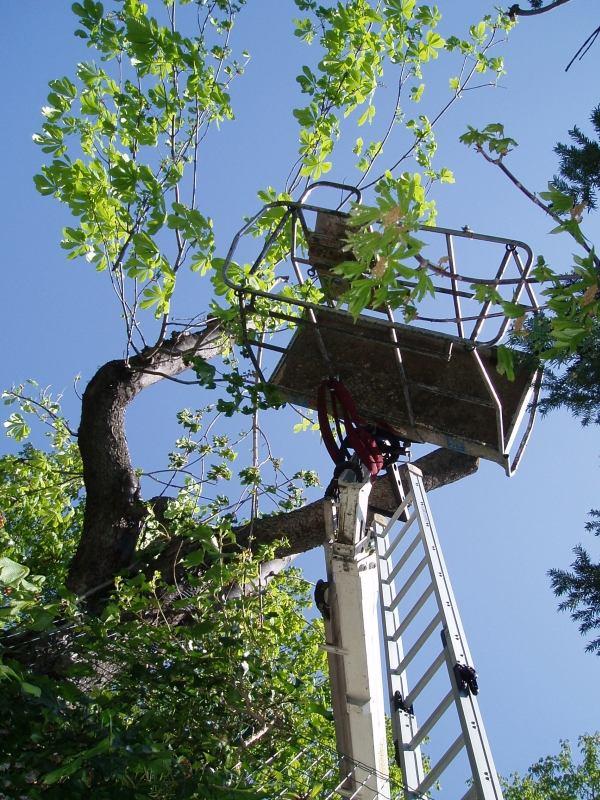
[500,536]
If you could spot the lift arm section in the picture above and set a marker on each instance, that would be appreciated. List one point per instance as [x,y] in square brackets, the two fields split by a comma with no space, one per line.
[351,626]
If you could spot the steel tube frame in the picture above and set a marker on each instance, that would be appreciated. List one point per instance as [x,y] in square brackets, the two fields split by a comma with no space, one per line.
[294,213]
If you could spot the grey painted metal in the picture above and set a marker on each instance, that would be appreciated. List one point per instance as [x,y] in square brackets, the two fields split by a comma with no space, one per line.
[352,645]
[394,586]
[454,283]
[451,282]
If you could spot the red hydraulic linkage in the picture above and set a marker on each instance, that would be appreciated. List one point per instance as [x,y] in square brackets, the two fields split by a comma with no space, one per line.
[375,446]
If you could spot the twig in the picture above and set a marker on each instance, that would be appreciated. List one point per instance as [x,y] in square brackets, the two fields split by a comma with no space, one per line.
[533,197]
[517,11]
[48,411]
[584,47]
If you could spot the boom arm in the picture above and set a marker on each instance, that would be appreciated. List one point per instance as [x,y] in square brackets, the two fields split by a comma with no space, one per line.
[352,644]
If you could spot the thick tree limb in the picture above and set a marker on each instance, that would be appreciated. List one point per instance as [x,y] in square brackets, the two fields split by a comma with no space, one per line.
[516,11]
[113,512]
[304,527]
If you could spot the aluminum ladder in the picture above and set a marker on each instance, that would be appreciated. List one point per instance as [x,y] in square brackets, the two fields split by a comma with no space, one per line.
[416,601]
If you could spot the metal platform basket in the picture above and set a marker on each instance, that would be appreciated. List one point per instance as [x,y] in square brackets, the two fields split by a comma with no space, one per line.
[434,380]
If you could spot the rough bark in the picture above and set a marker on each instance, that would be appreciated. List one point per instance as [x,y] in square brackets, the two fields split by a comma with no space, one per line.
[304,527]
[113,511]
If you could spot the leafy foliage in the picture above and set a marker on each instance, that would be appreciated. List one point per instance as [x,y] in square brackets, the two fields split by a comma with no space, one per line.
[382,240]
[579,174]
[572,379]
[124,140]
[170,696]
[363,43]
[170,693]
[40,491]
[559,777]
[580,588]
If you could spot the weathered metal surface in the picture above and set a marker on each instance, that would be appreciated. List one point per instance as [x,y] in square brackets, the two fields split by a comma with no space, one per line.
[352,644]
[451,402]
[431,386]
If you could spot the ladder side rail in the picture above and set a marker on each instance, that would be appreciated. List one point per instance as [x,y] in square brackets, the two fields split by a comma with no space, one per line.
[482,766]
[404,725]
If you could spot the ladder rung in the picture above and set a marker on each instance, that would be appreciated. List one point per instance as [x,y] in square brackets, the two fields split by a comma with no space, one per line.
[435,772]
[425,678]
[412,613]
[396,516]
[430,721]
[426,593]
[405,556]
[409,582]
[399,536]
[418,645]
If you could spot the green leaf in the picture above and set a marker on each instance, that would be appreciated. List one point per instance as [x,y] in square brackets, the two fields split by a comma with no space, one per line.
[11,573]
[417,92]
[7,672]
[367,115]
[560,201]
[44,184]
[196,558]
[505,365]
[29,688]
[205,372]
[407,7]
[478,31]
[16,427]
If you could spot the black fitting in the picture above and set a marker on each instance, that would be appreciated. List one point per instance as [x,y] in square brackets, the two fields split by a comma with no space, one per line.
[321,600]
[399,703]
[466,679]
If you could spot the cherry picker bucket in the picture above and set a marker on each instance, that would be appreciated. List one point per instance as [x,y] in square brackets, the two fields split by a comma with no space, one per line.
[434,380]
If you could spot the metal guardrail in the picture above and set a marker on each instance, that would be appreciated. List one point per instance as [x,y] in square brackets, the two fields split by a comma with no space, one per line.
[466,327]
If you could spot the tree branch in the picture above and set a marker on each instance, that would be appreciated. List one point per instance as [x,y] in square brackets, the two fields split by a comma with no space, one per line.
[517,11]
[114,513]
[499,162]
[304,529]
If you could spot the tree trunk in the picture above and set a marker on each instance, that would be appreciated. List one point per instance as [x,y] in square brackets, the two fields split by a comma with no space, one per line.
[114,513]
